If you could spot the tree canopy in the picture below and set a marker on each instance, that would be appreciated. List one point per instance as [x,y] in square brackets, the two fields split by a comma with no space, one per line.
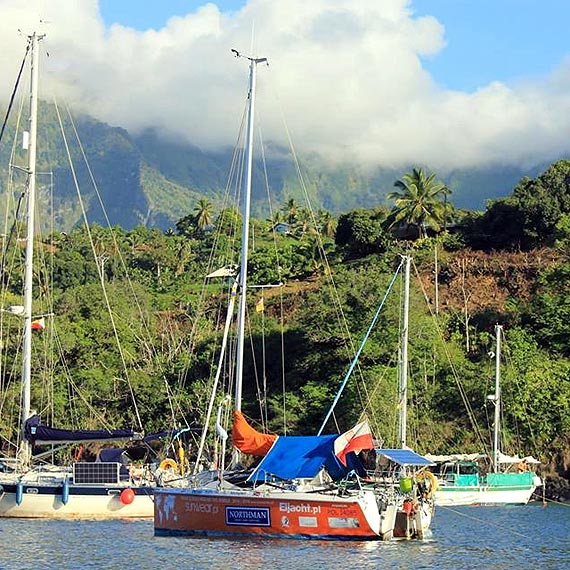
[171,333]
[419,202]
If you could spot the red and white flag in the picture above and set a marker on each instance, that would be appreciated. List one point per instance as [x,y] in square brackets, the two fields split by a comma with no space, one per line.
[39,324]
[355,439]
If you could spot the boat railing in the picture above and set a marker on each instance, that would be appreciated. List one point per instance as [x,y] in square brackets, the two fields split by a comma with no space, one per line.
[9,464]
[509,479]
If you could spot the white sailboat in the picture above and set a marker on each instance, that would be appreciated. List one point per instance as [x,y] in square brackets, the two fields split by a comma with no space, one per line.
[511,480]
[30,486]
[415,500]
[425,509]
[308,487]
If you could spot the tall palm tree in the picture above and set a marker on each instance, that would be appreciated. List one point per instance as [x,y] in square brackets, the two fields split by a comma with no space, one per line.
[290,208]
[418,201]
[203,212]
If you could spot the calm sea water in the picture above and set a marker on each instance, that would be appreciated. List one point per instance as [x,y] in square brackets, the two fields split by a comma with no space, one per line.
[463,538]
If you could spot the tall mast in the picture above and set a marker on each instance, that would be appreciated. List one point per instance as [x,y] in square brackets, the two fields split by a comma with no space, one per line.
[497,399]
[403,387]
[245,226]
[25,449]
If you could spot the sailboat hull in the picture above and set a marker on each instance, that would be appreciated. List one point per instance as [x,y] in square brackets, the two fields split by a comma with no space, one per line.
[279,514]
[33,501]
[483,495]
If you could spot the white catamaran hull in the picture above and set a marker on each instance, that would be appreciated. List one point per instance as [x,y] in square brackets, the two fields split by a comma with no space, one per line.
[85,491]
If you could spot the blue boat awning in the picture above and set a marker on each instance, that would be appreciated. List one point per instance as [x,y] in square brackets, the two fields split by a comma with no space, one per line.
[294,457]
[298,457]
[405,457]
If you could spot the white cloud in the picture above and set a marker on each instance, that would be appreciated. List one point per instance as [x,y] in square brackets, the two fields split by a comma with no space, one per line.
[346,75]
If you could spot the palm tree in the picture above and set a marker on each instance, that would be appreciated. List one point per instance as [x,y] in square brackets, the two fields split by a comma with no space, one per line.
[183,255]
[275,219]
[327,223]
[203,211]
[418,201]
[303,221]
[290,209]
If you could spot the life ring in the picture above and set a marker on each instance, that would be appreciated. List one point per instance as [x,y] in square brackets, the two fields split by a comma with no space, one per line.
[168,463]
[432,487]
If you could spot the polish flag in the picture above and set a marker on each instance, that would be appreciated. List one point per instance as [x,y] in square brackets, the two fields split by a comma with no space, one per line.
[39,324]
[355,439]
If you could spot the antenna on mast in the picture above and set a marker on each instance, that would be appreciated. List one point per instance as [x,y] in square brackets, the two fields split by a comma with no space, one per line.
[252,59]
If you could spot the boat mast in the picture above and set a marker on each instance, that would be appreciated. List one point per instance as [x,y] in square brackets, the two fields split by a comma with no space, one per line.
[245,226]
[25,448]
[497,399]
[403,387]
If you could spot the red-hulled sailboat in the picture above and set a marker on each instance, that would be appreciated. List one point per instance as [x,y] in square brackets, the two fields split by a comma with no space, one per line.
[310,487]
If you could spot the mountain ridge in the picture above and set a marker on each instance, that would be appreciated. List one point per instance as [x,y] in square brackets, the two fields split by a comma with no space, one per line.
[148,179]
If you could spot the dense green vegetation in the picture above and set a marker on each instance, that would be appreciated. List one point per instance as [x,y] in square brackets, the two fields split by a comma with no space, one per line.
[507,265]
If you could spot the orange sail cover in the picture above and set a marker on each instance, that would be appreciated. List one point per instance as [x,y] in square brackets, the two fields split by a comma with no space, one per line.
[247,439]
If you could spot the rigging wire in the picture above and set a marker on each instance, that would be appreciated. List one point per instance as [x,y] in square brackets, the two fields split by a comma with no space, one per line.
[357,355]
[280,279]
[9,235]
[174,411]
[463,394]
[222,254]
[15,90]
[349,343]
[508,361]
[99,269]
[216,259]
[260,388]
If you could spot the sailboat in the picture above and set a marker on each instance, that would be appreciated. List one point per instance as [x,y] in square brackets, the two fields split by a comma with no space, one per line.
[424,510]
[309,487]
[511,480]
[30,486]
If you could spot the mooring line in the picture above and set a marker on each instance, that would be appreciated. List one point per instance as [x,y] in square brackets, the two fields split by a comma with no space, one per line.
[501,526]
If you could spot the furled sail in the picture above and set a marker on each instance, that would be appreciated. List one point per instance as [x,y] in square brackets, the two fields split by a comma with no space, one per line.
[41,435]
[249,440]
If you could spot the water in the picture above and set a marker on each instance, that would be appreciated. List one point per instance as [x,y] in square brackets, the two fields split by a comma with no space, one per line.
[463,538]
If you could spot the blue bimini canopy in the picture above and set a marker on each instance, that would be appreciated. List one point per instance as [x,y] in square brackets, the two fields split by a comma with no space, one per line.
[405,457]
[302,457]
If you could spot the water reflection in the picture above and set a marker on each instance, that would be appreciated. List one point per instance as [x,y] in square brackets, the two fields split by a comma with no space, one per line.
[466,537]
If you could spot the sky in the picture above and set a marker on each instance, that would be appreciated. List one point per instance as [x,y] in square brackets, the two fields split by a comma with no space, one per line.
[446,83]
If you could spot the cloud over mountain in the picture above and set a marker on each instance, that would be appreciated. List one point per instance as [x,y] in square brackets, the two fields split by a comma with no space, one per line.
[346,76]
